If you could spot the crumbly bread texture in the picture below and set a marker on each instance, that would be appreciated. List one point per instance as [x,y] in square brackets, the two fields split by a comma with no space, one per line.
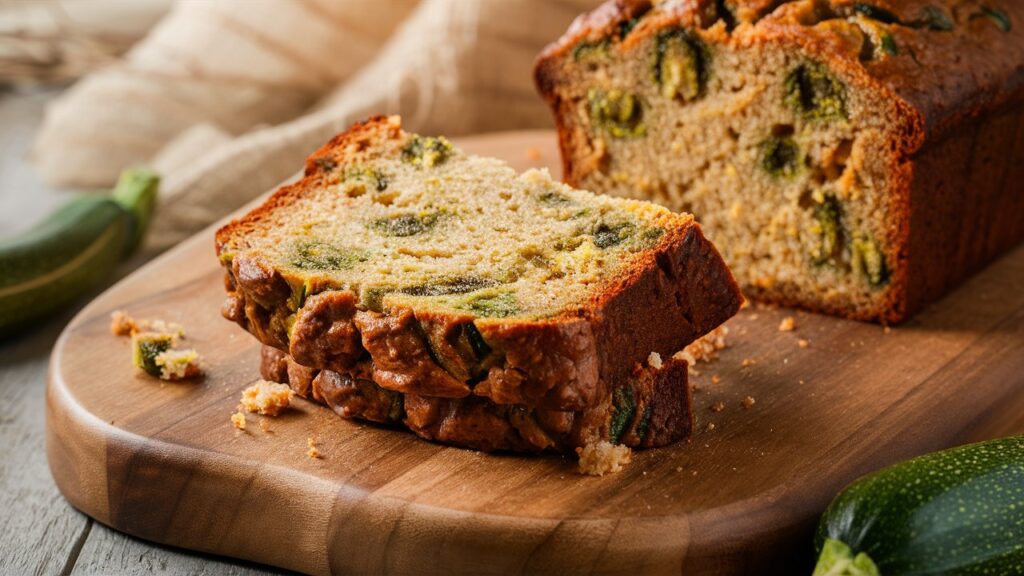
[459,277]
[651,409]
[856,158]
[600,458]
[266,398]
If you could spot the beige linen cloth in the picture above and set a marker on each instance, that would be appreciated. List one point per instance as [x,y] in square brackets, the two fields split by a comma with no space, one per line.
[225,99]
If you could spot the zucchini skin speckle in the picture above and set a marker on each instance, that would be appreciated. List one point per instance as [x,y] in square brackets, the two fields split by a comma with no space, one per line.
[959,511]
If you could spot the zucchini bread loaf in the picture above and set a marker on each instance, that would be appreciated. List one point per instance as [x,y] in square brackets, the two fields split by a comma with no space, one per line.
[651,409]
[855,158]
[454,275]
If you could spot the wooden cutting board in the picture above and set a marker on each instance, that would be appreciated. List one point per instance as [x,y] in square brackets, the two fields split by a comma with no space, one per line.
[162,461]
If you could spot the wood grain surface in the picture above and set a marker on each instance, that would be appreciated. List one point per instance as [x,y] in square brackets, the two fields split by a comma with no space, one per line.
[162,461]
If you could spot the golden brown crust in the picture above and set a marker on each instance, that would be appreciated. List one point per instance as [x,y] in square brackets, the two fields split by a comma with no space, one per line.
[678,291]
[661,412]
[939,84]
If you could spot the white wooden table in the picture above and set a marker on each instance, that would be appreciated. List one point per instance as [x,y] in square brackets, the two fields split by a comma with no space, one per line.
[39,532]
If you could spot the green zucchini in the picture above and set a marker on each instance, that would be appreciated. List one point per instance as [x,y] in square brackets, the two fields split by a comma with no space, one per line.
[73,250]
[959,511]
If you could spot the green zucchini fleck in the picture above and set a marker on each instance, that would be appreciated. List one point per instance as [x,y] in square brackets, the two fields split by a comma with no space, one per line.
[876,13]
[644,424]
[828,218]
[868,261]
[315,255]
[493,305]
[591,50]
[146,347]
[780,156]
[363,175]
[396,411]
[404,225]
[933,18]
[476,341]
[815,93]
[445,286]
[372,297]
[609,235]
[1000,18]
[427,151]
[624,411]
[889,45]
[618,113]
[680,65]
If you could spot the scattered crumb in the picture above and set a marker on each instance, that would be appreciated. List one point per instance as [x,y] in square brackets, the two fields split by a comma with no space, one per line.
[745,304]
[886,330]
[264,426]
[715,379]
[803,343]
[748,362]
[704,349]
[711,426]
[311,449]
[754,316]
[121,324]
[533,153]
[267,398]
[788,324]
[748,401]
[178,364]
[717,406]
[654,360]
[600,458]
[679,468]
[238,419]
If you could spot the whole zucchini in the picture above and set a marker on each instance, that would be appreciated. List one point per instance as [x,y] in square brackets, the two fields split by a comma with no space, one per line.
[77,248]
[959,511]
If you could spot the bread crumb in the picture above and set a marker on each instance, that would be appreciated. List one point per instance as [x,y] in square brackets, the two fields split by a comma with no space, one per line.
[886,330]
[264,426]
[704,349]
[717,406]
[679,468]
[311,449]
[121,324]
[711,426]
[715,379]
[748,401]
[788,324]
[600,458]
[533,153]
[745,304]
[748,362]
[654,360]
[267,398]
[803,343]
[238,419]
[178,364]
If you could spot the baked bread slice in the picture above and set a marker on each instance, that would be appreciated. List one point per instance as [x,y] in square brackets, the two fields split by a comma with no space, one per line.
[457,276]
[855,158]
[651,409]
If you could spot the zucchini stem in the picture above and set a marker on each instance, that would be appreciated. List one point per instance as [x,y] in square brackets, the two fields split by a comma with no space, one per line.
[837,559]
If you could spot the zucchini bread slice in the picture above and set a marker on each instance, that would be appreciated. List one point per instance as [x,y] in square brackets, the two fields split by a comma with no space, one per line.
[651,409]
[855,158]
[458,276]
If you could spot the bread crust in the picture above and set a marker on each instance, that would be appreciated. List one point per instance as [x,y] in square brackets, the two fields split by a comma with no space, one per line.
[941,85]
[662,413]
[678,291]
